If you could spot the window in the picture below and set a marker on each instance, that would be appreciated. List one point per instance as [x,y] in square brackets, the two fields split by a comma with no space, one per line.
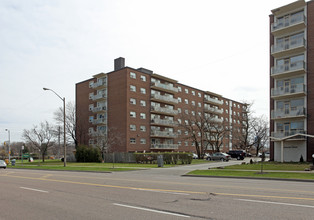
[91,84]
[132,141]
[179,132]
[132,101]
[143,128]
[91,107]
[193,103]
[186,111]
[143,141]
[142,115]
[186,132]
[132,127]
[91,118]
[179,120]
[179,110]
[186,143]
[133,75]
[186,122]
[143,90]
[186,101]
[199,104]
[143,103]
[91,95]
[179,88]
[132,88]
[133,114]
[179,143]
[193,92]
[186,91]
[143,78]
[199,94]
[193,113]
[179,99]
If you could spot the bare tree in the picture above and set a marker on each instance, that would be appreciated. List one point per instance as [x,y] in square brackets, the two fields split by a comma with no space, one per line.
[105,141]
[40,137]
[260,132]
[204,129]
[72,126]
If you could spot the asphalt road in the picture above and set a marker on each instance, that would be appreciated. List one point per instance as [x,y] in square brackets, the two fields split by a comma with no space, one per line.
[149,194]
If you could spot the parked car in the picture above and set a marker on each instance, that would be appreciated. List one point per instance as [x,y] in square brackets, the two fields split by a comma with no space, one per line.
[195,156]
[239,154]
[3,164]
[219,156]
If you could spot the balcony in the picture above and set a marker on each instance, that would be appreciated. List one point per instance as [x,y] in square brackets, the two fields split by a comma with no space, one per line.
[100,96]
[299,111]
[99,121]
[163,110]
[282,134]
[164,134]
[99,109]
[286,92]
[213,100]
[164,98]
[164,87]
[213,110]
[164,146]
[165,122]
[288,48]
[102,83]
[289,25]
[288,70]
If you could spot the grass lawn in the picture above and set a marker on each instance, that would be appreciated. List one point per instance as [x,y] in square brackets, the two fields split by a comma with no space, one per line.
[99,167]
[238,173]
[272,166]
[253,170]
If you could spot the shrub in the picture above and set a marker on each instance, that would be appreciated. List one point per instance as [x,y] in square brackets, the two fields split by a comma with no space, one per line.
[168,157]
[87,154]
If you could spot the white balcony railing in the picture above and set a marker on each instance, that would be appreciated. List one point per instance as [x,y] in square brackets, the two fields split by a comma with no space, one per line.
[99,108]
[213,100]
[165,86]
[164,146]
[164,110]
[292,20]
[168,134]
[162,121]
[286,113]
[282,134]
[288,68]
[99,96]
[291,44]
[164,98]
[293,89]
[99,121]
[101,82]
[214,110]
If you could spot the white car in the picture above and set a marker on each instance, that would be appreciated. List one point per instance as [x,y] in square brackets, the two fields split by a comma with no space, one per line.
[3,164]
[195,156]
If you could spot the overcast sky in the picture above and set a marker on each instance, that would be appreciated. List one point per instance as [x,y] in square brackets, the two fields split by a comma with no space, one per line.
[218,46]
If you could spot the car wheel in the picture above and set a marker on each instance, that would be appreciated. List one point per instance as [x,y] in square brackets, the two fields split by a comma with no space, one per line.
[238,158]
[222,159]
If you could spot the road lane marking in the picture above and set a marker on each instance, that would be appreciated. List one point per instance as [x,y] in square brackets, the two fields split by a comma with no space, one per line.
[150,190]
[163,190]
[37,190]
[276,203]
[152,210]
[176,183]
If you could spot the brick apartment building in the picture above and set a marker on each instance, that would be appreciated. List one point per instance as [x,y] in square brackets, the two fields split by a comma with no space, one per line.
[292,81]
[143,110]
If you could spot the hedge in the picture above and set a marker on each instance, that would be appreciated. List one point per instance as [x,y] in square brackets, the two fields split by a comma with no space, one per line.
[168,157]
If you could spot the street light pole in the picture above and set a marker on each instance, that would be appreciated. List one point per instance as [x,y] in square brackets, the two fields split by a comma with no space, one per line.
[9,143]
[64,136]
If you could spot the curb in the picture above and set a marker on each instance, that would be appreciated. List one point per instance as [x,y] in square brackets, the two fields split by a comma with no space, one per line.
[253,178]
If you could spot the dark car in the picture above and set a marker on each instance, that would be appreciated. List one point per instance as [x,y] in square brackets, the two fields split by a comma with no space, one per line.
[239,154]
